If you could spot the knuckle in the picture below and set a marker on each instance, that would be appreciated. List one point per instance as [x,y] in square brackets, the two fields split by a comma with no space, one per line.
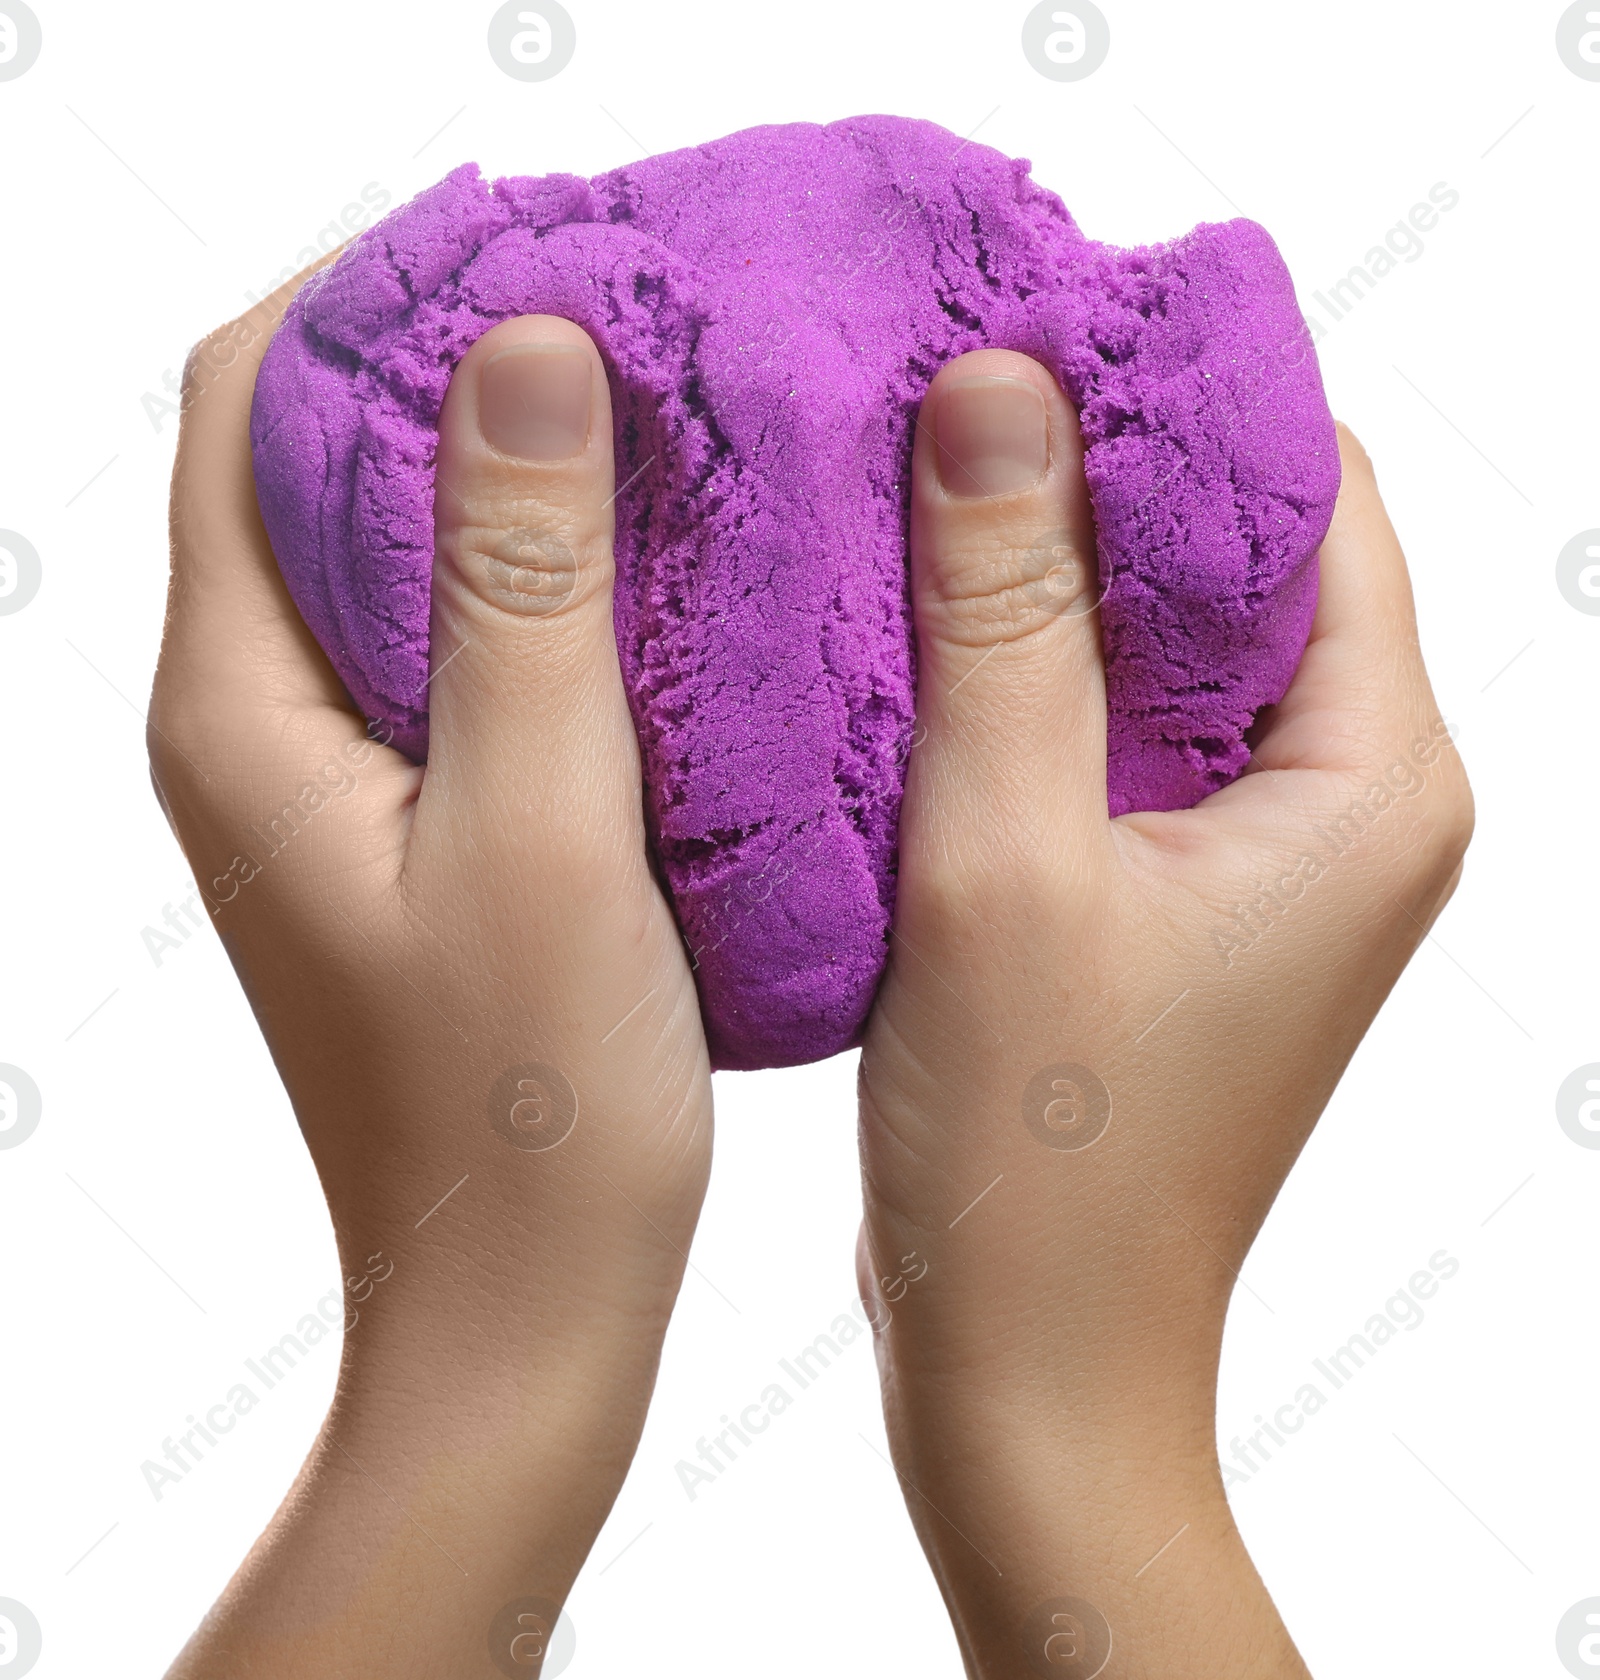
[986,589]
[171,737]
[1352,451]
[1409,817]
[216,356]
[1452,814]
[527,556]
[524,571]
[1437,830]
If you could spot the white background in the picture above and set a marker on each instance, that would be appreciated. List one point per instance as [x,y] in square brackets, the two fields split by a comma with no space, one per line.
[1437,1517]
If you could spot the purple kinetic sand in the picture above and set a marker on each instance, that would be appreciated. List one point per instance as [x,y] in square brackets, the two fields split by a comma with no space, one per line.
[771,308]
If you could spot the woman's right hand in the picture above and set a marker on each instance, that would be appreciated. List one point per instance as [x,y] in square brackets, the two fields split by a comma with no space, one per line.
[1100,1046]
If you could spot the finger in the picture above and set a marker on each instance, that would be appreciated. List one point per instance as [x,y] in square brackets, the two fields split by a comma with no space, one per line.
[1011,682]
[1361,682]
[529,733]
[246,713]
[1359,734]
[231,625]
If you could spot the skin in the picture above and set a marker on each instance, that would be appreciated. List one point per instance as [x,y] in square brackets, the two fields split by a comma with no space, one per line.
[419,934]
[1050,1388]
[1049,1362]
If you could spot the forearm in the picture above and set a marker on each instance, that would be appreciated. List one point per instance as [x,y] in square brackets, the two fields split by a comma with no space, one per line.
[1050,1395]
[1074,1542]
[509,1275]
[439,1491]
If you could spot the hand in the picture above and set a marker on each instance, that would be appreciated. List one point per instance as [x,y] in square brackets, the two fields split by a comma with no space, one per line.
[1101,1045]
[481,1008]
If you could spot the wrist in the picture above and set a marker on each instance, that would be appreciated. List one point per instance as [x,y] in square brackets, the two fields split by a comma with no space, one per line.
[1052,1552]
[434,1498]
[1050,1518]
[468,1461]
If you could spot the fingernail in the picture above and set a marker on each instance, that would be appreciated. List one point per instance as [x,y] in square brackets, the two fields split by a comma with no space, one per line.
[533,401]
[992,437]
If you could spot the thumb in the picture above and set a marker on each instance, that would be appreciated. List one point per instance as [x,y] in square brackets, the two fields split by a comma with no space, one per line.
[528,729]
[1010,685]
